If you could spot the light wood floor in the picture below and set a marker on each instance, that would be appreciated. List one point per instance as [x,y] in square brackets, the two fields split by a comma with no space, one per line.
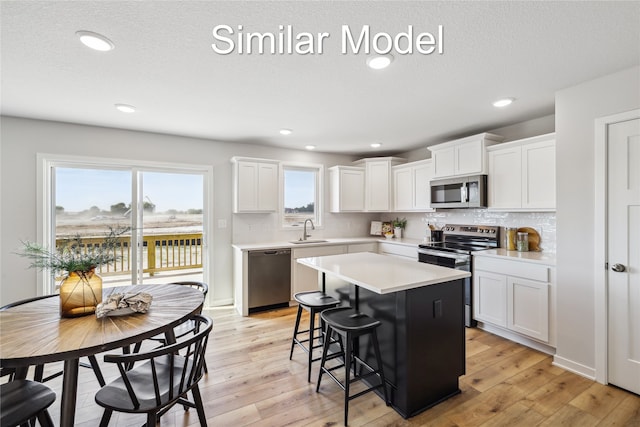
[252,382]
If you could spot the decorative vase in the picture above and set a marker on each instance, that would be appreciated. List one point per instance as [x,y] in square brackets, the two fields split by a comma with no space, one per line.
[80,293]
[398,232]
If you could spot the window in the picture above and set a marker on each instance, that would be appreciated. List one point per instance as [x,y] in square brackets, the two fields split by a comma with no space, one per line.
[301,190]
[166,206]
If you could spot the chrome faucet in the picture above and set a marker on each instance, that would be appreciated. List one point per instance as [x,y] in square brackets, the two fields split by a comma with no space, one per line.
[304,230]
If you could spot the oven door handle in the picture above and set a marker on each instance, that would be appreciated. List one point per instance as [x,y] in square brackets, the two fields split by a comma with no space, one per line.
[460,257]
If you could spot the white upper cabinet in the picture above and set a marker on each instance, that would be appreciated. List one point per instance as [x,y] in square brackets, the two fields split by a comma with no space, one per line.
[346,185]
[465,156]
[255,183]
[539,174]
[522,174]
[411,191]
[378,179]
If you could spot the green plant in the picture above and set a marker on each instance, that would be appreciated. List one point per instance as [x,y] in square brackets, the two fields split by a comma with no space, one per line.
[72,255]
[402,223]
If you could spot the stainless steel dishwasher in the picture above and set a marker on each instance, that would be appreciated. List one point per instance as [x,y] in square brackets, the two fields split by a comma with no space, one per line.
[269,279]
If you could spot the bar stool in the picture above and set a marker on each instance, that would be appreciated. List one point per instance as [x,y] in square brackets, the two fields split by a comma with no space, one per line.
[349,324]
[314,302]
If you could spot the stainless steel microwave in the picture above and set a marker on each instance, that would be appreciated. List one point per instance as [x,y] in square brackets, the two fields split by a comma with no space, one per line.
[460,192]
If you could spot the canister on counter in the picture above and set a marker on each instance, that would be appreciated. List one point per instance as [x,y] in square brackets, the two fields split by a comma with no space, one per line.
[511,238]
[522,242]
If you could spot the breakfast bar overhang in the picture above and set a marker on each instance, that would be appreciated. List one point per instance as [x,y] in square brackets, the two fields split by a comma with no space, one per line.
[421,308]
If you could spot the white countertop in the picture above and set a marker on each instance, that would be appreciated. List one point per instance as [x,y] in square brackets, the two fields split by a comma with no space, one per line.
[382,274]
[329,242]
[546,258]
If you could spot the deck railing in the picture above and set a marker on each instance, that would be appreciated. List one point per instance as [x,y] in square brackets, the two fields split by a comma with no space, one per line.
[161,252]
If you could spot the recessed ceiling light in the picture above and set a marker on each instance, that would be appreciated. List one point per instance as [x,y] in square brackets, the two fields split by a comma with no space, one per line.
[95,41]
[126,108]
[503,102]
[376,145]
[286,131]
[379,62]
[310,147]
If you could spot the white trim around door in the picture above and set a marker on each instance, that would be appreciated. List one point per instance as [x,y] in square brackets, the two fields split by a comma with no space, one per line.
[600,239]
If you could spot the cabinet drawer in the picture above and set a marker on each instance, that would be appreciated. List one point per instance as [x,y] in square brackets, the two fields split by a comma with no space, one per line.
[319,251]
[526,270]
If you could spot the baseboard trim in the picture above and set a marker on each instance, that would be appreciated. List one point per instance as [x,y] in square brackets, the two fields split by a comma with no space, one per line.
[220,302]
[513,336]
[575,367]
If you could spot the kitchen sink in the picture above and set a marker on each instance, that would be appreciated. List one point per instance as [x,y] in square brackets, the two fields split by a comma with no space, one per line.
[298,242]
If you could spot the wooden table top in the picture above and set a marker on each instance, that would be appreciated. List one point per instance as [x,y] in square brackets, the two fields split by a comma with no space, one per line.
[35,333]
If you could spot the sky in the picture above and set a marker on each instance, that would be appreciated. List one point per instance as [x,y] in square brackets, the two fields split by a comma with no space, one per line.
[299,188]
[80,189]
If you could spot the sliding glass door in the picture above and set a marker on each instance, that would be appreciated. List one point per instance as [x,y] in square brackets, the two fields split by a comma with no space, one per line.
[164,209]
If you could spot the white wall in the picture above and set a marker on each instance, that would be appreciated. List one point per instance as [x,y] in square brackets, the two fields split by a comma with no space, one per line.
[576,109]
[21,139]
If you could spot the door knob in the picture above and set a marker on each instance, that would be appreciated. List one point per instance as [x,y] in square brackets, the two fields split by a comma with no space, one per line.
[618,268]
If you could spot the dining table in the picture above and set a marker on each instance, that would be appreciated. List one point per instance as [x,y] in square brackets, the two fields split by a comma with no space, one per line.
[34,333]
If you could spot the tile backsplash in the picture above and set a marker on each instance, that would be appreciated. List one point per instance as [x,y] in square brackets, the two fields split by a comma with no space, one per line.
[543,222]
[251,228]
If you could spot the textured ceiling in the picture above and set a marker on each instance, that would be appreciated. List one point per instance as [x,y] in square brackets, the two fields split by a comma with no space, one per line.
[163,64]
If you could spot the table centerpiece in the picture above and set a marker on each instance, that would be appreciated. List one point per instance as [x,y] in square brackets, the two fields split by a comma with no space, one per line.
[81,287]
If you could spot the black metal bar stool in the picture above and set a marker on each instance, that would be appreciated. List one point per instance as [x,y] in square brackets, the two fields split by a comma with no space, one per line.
[314,302]
[349,324]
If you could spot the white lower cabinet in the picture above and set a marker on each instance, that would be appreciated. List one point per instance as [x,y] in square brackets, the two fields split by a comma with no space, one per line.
[514,295]
[528,307]
[490,291]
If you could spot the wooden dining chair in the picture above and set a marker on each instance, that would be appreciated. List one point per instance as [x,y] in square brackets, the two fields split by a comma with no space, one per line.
[39,369]
[161,378]
[23,400]
[184,328]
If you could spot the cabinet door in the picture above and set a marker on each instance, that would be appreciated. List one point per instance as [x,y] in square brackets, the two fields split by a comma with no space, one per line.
[469,157]
[539,175]
[256,187]
[351,190]
[490,297]
[378,186]
[246,186]
[505,183]
[528,307]
[267,186]
[403,189]
[347,189]
[443,162]
[422,175]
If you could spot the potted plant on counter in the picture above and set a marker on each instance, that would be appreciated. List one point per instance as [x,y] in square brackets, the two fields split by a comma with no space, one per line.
[398,226]
[81,287]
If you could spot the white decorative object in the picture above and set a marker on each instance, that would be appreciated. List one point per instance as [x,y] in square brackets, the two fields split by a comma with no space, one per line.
[124,304]
[376,228]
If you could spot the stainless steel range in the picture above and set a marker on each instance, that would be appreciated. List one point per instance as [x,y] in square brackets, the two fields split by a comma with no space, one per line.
[459,242]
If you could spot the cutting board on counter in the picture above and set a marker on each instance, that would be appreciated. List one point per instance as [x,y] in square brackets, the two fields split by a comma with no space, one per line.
[534,238]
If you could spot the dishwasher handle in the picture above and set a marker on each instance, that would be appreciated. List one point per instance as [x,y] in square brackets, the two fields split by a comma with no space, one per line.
[270,252]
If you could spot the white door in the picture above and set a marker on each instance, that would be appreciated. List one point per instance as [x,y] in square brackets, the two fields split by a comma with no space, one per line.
[624,254]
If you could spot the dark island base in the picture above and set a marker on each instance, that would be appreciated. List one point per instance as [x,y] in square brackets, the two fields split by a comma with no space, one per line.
[421,339]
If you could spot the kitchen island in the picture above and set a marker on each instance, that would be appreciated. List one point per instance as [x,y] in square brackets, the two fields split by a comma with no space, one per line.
[421,308]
